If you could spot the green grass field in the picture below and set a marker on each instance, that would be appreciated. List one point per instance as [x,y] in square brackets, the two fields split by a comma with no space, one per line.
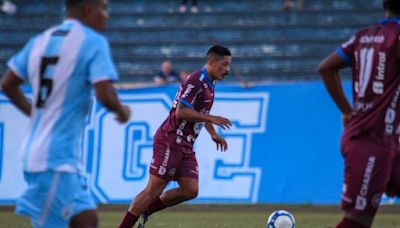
[229,216]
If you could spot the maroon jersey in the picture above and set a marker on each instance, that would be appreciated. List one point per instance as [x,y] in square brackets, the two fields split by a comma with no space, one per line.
[374,54]
[196,92]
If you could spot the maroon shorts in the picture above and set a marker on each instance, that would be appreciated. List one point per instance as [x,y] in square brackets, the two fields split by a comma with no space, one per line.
[172,162]
[370,170]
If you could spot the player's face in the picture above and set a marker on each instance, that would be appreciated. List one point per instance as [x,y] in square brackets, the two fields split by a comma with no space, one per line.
[97,15]
[220,67]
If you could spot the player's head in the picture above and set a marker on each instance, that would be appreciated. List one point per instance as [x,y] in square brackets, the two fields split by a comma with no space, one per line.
[93,13]
[218,61]
[392,6]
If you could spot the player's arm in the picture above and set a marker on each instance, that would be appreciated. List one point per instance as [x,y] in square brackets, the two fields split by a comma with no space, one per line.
[219,140]
[184,112]
[11,86]
[107,96]
[329,71]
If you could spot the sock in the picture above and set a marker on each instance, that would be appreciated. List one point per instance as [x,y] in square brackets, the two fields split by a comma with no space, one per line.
[156,205]
[128,221]
[348,223]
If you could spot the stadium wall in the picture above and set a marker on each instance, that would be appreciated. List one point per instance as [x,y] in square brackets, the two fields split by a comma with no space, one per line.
[283,146]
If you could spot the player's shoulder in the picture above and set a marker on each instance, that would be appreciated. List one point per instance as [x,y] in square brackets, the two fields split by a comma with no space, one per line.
[193,78]
[198,76]
[93,36]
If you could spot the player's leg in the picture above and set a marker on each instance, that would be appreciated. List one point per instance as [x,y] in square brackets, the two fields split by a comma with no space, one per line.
[187,177]
[367,171]
[85,219]
[393,187]
[84,213]
[143,200]
[188,189]
[152,191]
[162,170]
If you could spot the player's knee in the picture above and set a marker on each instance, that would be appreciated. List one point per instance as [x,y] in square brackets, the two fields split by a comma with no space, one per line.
[190,193]
[153,193]
[85,219]
[154,189]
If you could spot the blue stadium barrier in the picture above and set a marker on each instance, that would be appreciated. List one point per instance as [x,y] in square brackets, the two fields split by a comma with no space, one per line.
[283,146]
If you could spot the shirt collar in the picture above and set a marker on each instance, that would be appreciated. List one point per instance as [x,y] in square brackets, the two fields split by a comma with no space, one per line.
[207,78]
[389,20]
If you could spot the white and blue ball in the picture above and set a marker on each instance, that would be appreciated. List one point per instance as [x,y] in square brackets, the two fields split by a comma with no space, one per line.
[281,219]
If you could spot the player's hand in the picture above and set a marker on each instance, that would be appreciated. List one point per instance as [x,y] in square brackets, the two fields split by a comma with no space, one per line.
[346,117]
[221,121]
[124,115]
[222,145]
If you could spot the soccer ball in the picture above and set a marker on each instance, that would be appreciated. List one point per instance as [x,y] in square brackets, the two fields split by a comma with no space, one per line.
[281,219]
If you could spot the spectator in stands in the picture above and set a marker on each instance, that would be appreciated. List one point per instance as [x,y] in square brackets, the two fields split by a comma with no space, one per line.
[287,5]
[193,9]
[166,74]
[8,7]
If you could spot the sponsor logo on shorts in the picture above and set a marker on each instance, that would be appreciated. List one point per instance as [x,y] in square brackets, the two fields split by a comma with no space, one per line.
[376,199]
[190,138]
[361,201]
[162,170]
[391,113]
[172,172]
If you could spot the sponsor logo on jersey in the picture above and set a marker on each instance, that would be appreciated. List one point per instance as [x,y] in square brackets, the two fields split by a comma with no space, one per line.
[188,90]
[372,39]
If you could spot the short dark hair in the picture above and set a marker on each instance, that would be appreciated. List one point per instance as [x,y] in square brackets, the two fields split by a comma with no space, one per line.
[74,3]
[219,50]
[392,6]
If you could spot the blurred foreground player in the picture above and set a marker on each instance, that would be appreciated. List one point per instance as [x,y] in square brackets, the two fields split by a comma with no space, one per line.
[61,65]
[173,155]
[370,143]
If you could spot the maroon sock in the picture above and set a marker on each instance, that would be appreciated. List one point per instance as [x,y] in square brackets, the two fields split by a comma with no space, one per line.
[156,205]
[128,221]
[348,223]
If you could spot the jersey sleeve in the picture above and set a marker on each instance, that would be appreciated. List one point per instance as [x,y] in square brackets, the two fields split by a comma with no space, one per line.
[101,66]
[20,61]
[191,89]
[346,50]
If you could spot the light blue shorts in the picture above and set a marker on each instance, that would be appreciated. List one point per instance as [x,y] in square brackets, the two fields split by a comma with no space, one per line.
[53,198]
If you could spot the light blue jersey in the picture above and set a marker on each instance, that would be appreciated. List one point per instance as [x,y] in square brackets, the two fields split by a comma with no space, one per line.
[61,64]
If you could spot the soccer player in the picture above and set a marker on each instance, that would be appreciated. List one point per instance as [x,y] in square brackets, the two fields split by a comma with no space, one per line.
[173,155]
[62,64]
[370,143]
